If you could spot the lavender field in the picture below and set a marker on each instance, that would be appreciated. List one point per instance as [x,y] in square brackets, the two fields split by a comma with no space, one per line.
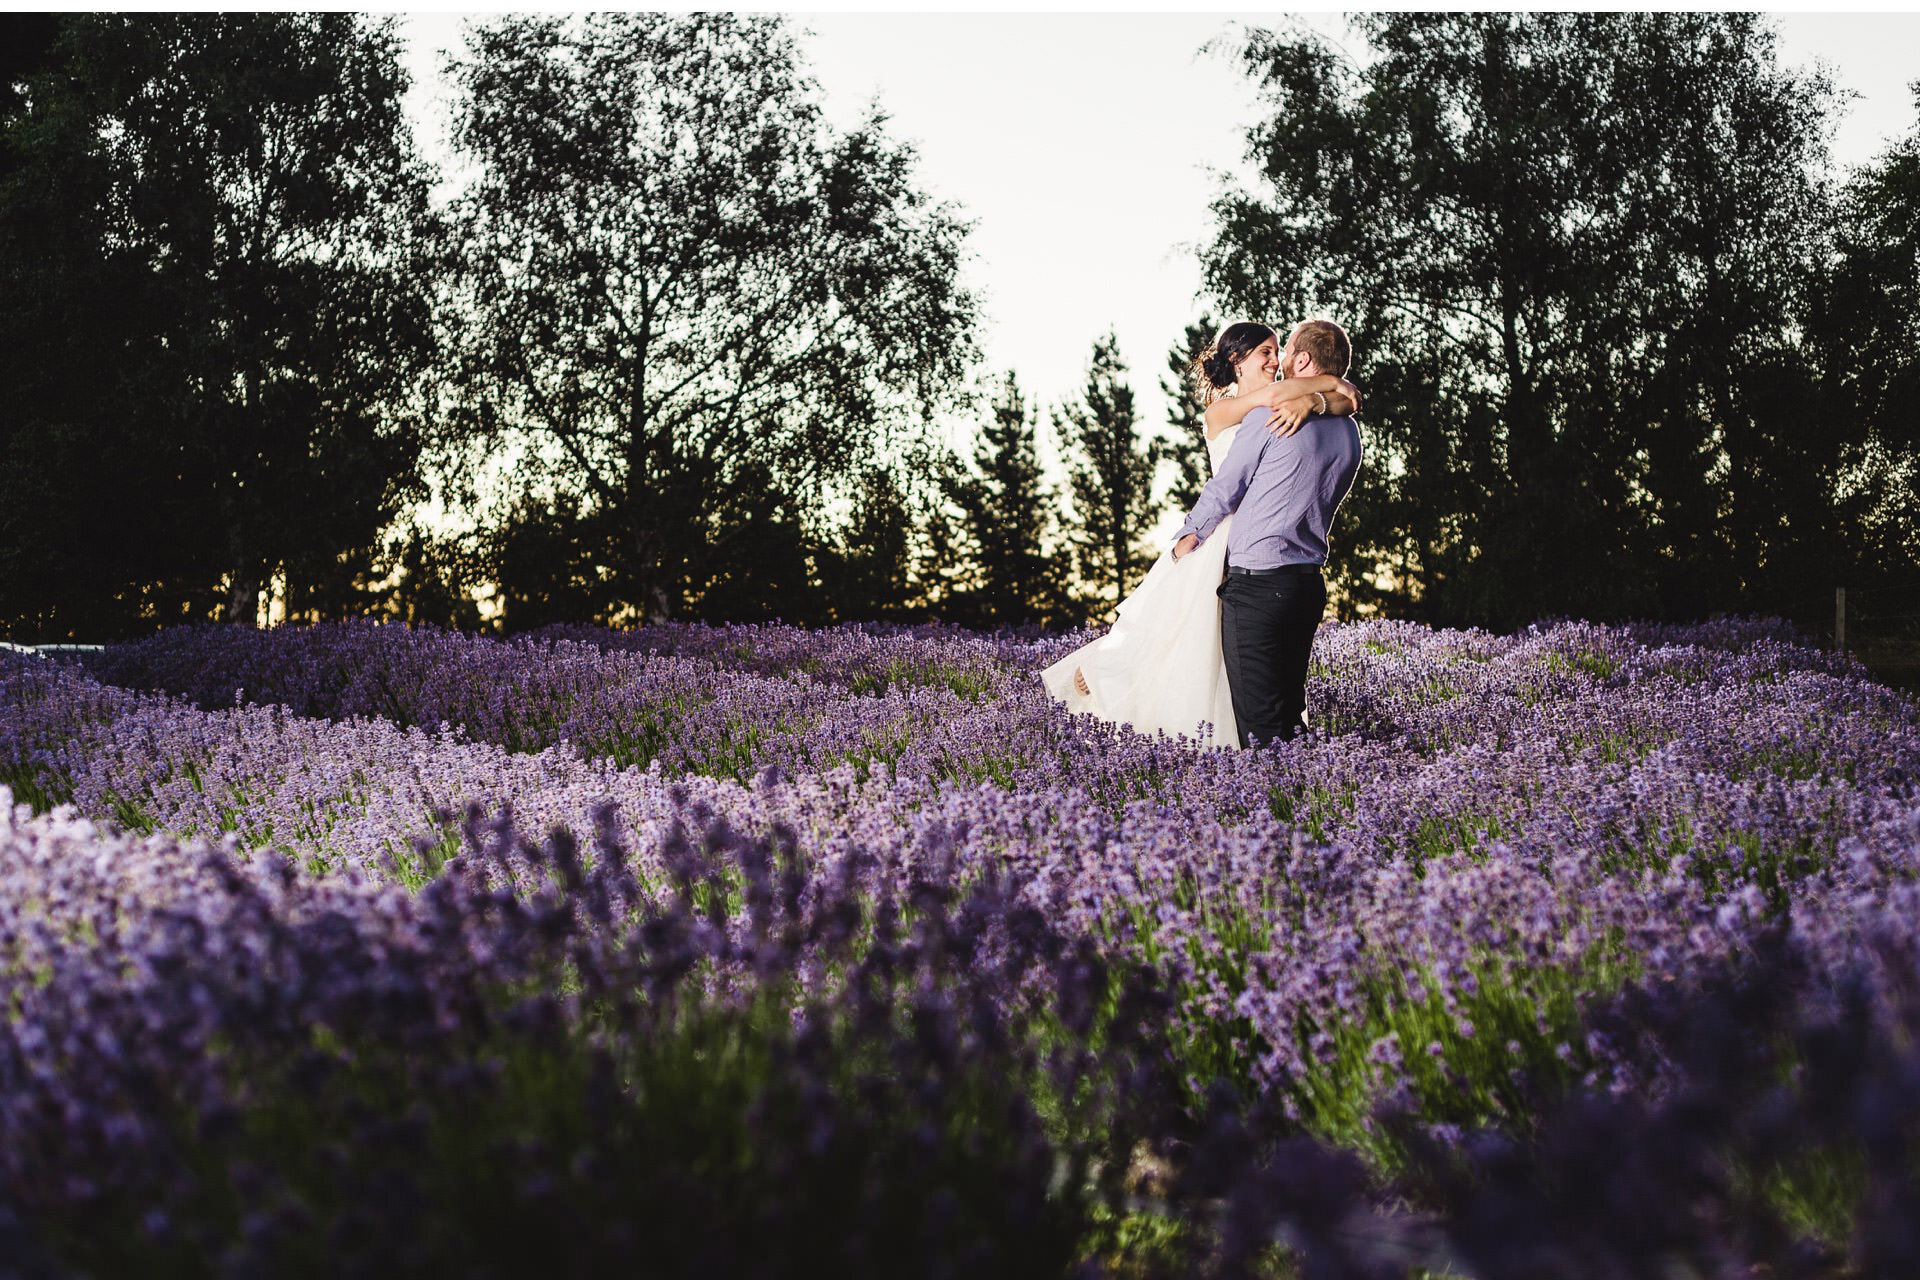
[751,950]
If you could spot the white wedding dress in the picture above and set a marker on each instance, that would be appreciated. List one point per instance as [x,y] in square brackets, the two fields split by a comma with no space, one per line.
[1159,668]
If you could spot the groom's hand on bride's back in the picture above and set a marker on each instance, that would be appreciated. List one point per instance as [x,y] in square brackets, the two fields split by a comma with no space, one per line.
[1185,545]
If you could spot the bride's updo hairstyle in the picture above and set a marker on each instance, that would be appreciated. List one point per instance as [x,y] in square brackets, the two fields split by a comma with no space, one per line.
[1216,363]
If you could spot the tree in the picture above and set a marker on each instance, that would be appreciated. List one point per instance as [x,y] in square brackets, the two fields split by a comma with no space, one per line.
[1010,516]
[1111,471]
[26,50]
[867,573]
[550,564]
[1186,449]
[946,558]
[78,529]
[673,282]
[768,564]
[217,319]
[438,578]
[1572,250]
[1865,323]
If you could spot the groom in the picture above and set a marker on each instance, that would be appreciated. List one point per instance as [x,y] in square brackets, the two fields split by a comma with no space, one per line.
[1284,490]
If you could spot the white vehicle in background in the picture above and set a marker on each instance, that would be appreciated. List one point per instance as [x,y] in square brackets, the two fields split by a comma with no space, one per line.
[48,650]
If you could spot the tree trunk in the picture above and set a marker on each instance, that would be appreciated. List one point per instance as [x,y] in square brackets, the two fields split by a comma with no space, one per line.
[647,574]
[243,600]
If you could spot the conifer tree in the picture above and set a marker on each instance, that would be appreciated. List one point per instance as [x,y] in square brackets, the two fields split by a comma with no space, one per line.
[1187,447]
[1111,471]
[867,573]
[1010,517]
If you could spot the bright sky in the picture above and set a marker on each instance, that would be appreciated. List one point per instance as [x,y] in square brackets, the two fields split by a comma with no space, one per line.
[1085,148]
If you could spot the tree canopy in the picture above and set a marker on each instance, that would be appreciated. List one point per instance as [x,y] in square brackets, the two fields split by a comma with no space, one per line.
[1011,517]
[676,345]
[1578,254]
[217,320]
[1110,471]
[677,285]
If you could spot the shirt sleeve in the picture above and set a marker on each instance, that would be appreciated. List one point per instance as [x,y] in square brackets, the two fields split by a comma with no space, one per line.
[1229,483]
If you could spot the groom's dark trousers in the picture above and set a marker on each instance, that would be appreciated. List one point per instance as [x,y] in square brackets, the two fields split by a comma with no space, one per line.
[1267,621]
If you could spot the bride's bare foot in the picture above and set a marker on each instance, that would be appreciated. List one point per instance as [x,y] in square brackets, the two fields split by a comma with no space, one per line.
[1080,683]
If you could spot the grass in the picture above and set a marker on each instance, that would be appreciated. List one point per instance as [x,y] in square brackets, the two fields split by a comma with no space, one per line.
[1469,1059]
[1315,811]
[902,673]
[39,789]
[1587,662]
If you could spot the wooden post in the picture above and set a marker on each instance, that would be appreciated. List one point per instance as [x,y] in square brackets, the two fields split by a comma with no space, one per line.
[1840,618]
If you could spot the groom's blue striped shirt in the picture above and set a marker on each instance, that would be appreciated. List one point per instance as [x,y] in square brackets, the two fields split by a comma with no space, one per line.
[1283,492]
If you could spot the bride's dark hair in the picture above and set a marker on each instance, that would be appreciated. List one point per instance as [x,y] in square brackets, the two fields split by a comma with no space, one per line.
[1214,366]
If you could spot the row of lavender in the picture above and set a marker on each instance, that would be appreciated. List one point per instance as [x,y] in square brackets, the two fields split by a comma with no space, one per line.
[1609,804]
[1415,912]
[1723,740]
[213,1065]
[1250,918]
[216,1065]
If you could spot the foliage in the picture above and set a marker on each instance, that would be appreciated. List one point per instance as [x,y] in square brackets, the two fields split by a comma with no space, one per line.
[440,579]
[870,572]
[1010,519]
[550,560]
[217,327]
[691,302]
[1864,330]
[1577,951]
[1110,470]
[1186,448]
[1577,254]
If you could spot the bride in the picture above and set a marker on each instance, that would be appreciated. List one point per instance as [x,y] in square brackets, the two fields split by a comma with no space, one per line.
[1158,668]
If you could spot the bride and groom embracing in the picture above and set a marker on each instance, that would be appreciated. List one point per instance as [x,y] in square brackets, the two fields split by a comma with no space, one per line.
[1221,629]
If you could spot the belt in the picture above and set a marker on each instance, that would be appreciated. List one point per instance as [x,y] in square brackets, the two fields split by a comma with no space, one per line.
[1279,571]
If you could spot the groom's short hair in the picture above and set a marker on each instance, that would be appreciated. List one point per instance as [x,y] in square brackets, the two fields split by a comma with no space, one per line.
[1326,342]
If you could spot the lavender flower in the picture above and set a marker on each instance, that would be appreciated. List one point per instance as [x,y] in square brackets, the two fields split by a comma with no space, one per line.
[1485,841]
